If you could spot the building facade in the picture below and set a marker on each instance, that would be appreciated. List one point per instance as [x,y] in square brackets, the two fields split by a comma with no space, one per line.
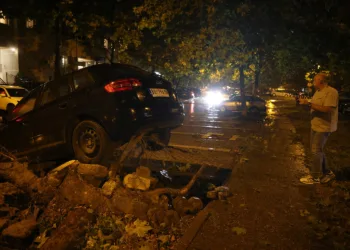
[27,50]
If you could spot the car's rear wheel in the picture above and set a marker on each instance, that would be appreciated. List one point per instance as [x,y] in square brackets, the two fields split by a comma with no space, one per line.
[90,142]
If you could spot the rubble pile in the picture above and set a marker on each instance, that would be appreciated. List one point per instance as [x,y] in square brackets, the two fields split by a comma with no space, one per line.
[83,206]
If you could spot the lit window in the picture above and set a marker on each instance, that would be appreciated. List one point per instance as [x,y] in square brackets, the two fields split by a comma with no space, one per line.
[105,43]
[3,19]
[30,23]
[64,61]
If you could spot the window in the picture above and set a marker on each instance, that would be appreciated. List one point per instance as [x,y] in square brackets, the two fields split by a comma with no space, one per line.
[55,90]
[82,79]
[30,23]
[14,92]
[4,19]
[105,43]
[27,104]
[2,93]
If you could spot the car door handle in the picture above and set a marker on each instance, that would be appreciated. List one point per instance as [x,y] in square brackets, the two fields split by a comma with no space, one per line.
[63,105]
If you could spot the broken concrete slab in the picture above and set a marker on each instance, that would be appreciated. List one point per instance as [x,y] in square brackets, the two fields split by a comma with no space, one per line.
[12,195]
[109,187]
[19,231]
[94,170]
[3,223]
[93,174]
[8,211]
[134,181]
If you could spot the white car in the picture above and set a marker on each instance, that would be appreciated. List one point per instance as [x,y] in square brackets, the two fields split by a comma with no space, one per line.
[9,97]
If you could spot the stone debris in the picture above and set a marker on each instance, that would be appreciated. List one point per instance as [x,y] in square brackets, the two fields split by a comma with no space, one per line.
[93,174]
[140,180]
[12,195]
[221,193]
[109,187]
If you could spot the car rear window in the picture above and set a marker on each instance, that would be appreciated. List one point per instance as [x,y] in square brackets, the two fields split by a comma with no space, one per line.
[13,92]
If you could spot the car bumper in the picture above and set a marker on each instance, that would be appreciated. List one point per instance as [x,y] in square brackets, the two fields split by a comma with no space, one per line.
[141,122]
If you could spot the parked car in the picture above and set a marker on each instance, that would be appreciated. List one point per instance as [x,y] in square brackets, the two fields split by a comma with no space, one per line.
[344,103]
[83,113]
[254,104]
[185,94]
[9,97]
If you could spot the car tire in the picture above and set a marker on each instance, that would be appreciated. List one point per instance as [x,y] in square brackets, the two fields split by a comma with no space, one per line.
[9,109]
[91,143]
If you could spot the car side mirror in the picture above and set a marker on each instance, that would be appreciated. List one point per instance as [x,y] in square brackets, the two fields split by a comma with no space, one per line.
[2,94]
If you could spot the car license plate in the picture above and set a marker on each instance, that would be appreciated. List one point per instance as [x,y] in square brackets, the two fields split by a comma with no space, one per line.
[159,92]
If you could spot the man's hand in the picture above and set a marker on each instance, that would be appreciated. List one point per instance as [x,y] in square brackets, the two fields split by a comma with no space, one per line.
[303,101]
[323,109]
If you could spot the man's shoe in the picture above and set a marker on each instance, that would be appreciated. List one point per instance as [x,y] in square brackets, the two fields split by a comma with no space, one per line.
[327,177]
[309,180]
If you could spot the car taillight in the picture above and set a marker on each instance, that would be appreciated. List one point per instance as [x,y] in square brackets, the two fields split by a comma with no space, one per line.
[122,85]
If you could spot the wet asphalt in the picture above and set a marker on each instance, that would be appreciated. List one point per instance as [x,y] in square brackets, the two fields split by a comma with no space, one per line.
[206,129]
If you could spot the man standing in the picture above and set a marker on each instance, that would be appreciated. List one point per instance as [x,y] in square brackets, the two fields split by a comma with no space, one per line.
[324,120]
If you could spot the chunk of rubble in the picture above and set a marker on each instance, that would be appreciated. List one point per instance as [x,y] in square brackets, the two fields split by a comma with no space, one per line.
[93,174]
[109,186]
[3,223]
[12,195]
[140,180]
[191,206]
[20,230]
[196,204]
[221,193]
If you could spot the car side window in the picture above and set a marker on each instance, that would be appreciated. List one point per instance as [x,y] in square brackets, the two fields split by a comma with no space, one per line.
[2,92]
[236,99]
[82,79]
[27,104]
[55,90]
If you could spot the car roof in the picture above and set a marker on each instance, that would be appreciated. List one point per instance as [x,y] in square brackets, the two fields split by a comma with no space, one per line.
[11,87]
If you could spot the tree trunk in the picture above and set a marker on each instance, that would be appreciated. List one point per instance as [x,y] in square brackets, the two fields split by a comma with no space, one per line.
[257,73]
[112,50]
[242,89]
[58,33]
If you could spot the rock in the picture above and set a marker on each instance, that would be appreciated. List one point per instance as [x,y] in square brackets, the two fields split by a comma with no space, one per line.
[172,218]
[222,189]
[71,232]
[133,181]
[79,192]
[156,216]
[95,170]
[223,195]
[12,195]
[93,174]
[181,205]
[3,223]
[212,195]
[8,211]
[20,230]
[196,204]
[126,203]
[143,171]
[109,187]
[164,202]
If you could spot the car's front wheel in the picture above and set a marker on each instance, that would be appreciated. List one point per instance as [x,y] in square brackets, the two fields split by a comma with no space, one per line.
[91,143]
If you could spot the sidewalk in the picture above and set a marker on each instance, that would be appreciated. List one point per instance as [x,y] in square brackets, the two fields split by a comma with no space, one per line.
[269,209]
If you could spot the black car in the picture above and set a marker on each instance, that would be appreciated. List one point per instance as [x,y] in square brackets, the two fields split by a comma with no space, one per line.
[84,112]
[344,103]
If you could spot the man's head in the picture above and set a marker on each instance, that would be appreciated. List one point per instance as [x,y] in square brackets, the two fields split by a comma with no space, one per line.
[321,80]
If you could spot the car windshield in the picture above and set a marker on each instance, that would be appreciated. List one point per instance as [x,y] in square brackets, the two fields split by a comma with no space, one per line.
[14,92]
